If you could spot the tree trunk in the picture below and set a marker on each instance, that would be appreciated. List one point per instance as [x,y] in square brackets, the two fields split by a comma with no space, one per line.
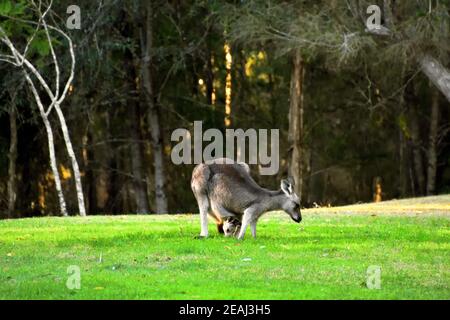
[90,181]
[432,137]
[402,163]
[73,160]
[296,121]
[403,167]
[239,81]
[417,153]
[210,79]
[51,147]
[153,112]
[437,73]
[228,85]
[12,187]
[139,183]
[387,13]
[112,203]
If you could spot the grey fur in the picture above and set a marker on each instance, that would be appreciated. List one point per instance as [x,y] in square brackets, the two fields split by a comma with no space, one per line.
[224,188]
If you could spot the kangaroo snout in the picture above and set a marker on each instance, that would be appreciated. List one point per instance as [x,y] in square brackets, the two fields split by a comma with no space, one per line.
[297,218]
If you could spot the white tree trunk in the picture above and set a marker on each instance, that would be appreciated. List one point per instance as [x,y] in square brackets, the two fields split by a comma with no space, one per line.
[73,160]
[51,150]
[437,73]
[20,60]
[51,147]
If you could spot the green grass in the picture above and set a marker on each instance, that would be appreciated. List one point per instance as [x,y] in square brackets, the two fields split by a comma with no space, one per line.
[158,257]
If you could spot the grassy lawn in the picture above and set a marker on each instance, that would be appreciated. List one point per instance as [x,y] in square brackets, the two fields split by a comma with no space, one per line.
[158,257]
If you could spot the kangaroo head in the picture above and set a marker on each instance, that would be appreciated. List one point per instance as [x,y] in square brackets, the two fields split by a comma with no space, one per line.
[292,203]
[231,227]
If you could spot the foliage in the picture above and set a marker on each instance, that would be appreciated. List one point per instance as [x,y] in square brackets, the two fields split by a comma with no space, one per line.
[364,94]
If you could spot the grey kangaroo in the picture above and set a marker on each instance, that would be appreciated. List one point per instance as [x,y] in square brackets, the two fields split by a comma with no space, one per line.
[224,188]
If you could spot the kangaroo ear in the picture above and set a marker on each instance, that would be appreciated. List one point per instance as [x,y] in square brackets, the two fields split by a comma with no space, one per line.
[286,186]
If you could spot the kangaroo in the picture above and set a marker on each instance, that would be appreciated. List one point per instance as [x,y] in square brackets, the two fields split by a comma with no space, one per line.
[224,188]
[231,227]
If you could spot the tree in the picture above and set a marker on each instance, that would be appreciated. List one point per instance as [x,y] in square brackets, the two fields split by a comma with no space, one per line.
[364,107]
[140,183]
[12,156]
[296,120]
[432,143]
[153,109]
[20,60]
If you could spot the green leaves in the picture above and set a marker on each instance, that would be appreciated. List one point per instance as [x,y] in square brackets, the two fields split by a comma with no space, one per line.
[5,7]
[14,9]
[41,46]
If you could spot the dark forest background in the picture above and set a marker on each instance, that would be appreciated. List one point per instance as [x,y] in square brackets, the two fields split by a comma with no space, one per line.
[370,123]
